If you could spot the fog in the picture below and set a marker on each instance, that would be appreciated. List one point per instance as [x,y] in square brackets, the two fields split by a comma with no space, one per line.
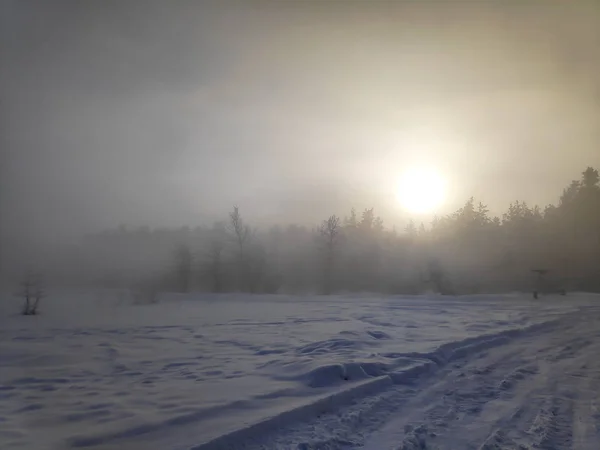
[165,114]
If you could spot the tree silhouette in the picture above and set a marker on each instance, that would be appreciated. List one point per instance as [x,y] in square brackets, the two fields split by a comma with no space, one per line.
[479,251]
[240,233]
[329,233]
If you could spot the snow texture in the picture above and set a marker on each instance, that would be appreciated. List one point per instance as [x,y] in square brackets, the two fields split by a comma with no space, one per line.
[201,372]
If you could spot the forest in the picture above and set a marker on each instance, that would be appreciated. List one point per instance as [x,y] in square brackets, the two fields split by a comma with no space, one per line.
[466,252]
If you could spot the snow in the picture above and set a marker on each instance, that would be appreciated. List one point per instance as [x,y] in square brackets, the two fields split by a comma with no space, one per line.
[216,371]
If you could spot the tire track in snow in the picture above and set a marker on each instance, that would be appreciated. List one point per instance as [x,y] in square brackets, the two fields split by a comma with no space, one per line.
[523,394]
[586,417]
[531,407]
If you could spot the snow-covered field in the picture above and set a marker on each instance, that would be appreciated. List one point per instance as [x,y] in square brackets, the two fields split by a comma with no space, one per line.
[237,371]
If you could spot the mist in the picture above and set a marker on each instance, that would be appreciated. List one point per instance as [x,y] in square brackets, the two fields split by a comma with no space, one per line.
[166,115]
[268,224]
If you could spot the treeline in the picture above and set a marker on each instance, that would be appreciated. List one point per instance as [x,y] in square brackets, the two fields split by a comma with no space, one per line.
[468,251]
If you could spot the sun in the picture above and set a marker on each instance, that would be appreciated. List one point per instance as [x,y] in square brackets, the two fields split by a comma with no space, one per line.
[421,190]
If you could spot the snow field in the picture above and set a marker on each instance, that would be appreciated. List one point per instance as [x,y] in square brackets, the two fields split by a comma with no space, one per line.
[205,371]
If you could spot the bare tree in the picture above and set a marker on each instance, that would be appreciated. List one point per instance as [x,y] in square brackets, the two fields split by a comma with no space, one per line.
[329,232]
[239,230]
[241,234]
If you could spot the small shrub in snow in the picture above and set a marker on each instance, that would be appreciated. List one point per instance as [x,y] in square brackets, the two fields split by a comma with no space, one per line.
[32,292]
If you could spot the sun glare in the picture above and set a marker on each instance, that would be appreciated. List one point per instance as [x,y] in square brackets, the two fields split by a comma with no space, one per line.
[421,190]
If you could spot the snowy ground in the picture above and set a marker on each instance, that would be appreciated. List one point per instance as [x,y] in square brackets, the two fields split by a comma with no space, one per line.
[275,372]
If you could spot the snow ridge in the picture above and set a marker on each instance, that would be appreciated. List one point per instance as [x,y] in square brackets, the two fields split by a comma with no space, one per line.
[533,388]
[425,364]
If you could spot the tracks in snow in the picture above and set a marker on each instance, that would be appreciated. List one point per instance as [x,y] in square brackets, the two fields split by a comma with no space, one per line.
[539,390]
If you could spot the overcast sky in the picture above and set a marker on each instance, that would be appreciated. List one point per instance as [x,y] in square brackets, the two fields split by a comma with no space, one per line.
[168,113]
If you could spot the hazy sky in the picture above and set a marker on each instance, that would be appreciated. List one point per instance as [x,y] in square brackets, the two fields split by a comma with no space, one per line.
[167,113]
